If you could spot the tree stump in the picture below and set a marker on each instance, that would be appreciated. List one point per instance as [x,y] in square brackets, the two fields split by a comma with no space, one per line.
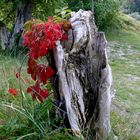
[84,79]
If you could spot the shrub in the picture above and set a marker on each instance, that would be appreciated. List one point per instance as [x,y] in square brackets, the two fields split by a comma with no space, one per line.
[105,12]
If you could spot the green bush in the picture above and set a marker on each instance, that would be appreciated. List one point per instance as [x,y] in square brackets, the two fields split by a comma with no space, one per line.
[105,10]
[105,13]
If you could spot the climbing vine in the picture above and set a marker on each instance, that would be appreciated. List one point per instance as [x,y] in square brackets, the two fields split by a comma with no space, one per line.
[40,38]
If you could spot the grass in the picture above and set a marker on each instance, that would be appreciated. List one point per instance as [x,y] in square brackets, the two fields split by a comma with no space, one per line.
[125,63]
[127,34]
[20,117]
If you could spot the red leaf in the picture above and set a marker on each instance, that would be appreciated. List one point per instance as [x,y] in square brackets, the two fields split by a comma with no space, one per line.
[44,73]
[37,92]
[32,68]
[17,75]
[12,91]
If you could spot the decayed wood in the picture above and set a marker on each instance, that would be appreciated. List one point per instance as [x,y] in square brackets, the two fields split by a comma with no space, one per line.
[84,78]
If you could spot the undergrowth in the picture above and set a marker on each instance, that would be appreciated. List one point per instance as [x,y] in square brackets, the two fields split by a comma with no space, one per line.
[20,117]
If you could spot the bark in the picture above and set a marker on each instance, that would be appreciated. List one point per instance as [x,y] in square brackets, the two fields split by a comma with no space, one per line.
[84,79]
[3,36]
[23,13]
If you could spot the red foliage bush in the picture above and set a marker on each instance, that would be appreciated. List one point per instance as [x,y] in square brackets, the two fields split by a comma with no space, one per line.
[40,39]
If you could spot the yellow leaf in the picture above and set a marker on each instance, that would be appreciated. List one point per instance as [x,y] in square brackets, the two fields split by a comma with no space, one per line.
[28,25]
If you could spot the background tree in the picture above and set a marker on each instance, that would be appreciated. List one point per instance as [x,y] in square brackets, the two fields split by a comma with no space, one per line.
[131,6]
[20,12]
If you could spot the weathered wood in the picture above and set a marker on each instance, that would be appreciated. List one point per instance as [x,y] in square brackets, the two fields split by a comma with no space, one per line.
[84,78]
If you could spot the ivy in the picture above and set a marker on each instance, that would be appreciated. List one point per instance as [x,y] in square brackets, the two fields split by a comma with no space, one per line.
[40,39]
